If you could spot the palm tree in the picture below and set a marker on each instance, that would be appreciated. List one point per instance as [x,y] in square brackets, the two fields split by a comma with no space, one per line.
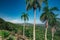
[53,23]
[24,17]
[46,16]
[33,4]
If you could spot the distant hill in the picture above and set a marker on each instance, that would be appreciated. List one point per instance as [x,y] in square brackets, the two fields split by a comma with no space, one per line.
[30,24]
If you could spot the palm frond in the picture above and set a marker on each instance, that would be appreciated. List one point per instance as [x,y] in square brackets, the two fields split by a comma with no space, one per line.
[27,1]
[54,9]
[51,15]
[45,9]
[33,4]
[38,5]
[43,17]
[53,21]
[46,3]
[28,7]
[24,16]
[40,1]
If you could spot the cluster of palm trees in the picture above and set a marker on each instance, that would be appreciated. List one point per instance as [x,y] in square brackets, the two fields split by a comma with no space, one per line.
[47,16]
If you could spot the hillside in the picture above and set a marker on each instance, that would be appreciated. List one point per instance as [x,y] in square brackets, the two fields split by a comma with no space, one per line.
[7,28]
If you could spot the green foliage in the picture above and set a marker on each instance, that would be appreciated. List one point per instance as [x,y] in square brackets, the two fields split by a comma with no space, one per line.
[25,16]
[17,28]
[33,4]
[57,33]
[6,34]
[10,38]
[29,32]
[48,13]
[2,23]
[1,33]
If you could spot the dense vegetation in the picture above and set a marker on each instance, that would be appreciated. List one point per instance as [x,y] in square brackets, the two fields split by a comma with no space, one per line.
[9,32]
[50,30]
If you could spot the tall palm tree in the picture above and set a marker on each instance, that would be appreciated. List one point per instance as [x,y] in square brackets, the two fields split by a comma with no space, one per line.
[33,4]
[54,23]
[46,16]
[24,17]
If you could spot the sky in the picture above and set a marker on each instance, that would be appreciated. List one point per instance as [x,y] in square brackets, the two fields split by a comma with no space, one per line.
[11,10]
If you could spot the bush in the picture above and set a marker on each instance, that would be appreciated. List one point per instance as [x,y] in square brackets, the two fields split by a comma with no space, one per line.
[10,38]
[5,34]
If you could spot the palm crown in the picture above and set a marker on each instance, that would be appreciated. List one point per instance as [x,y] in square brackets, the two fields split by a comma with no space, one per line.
[24,16]
[48,13]
[54,21]
[33,4]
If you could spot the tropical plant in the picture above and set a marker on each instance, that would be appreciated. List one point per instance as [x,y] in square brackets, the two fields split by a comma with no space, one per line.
[54,23]
[10,38]
[47,15]
[33,4]
[24,17]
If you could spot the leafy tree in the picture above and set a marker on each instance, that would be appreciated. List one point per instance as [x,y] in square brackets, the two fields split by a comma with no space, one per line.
[24,17]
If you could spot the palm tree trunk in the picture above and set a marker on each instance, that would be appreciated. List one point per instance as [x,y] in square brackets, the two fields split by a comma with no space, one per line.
[46,34]
[53,30]
[46,29]
[52,35]
[24,29]
[34,24]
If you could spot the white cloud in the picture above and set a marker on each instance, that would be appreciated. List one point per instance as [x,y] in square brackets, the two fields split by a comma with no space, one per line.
[15,21]
[21,21]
